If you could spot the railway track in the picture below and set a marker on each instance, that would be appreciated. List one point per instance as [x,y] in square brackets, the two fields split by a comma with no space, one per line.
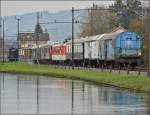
[137,71]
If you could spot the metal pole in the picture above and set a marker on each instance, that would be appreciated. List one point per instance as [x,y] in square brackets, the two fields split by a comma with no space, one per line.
[91,28]
[18,36]
[18,31]
[0,95]
[149,41]
[37,38]
[72,38]
[3,40]
[91,32]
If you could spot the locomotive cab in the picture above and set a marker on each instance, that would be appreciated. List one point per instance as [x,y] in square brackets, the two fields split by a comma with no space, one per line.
[128,49]
[128,45]
[13,54]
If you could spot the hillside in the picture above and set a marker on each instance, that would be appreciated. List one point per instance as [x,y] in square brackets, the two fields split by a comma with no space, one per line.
[57,31]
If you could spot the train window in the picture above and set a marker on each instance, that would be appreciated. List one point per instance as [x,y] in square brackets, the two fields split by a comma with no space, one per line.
[128,43]
[70,49]
[76,48]
[129,38]
[79,47]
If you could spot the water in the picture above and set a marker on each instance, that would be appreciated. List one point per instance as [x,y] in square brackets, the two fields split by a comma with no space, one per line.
[25,94]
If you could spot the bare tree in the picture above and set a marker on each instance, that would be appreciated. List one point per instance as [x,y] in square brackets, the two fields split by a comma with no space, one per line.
[97,21]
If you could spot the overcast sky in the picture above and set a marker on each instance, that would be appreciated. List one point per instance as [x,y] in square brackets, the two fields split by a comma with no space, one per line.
[21,7]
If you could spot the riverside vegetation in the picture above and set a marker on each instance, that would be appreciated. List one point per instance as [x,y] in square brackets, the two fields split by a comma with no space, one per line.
[133,82]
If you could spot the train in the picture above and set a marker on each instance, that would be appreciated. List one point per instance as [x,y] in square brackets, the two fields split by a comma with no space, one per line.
[13,54]
[115,49]
[121,49]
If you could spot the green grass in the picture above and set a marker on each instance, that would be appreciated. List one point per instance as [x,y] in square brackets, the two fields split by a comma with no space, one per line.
[133,82]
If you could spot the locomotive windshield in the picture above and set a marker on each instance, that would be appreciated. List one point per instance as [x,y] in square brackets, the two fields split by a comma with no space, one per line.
[128,43]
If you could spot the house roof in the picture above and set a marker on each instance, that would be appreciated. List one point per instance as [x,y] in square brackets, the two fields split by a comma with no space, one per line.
[33,37]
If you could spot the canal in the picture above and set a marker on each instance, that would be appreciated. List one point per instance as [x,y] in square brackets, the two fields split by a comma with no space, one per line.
[28,94]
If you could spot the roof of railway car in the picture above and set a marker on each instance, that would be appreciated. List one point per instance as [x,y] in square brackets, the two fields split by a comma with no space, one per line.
[101,37]
[92,38]
[77,40]
[46,44]
[113,34]
[59,44]
[108,36]
[105,36]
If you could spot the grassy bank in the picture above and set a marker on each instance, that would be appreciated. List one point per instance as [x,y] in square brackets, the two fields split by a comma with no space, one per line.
[139,83]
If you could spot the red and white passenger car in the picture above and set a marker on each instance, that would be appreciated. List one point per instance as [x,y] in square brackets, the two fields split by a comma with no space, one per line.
[58,52]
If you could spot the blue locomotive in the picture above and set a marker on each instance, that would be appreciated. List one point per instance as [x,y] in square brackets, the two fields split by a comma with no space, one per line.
[128,45]
[122,49]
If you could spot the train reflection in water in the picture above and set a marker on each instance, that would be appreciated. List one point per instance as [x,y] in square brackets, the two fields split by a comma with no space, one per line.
[45,95]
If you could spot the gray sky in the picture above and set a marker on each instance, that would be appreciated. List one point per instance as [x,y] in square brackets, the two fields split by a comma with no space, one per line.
[21,7]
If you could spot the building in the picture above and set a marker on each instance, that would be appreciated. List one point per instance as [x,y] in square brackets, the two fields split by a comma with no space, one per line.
[29,39]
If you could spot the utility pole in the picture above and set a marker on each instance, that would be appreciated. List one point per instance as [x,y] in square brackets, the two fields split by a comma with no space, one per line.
[91,26]
[72,38]
[18,31]
[91,29]
[37,36]
[91,23]
[0,33]
[3,40]
[72,22]
[149,41]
